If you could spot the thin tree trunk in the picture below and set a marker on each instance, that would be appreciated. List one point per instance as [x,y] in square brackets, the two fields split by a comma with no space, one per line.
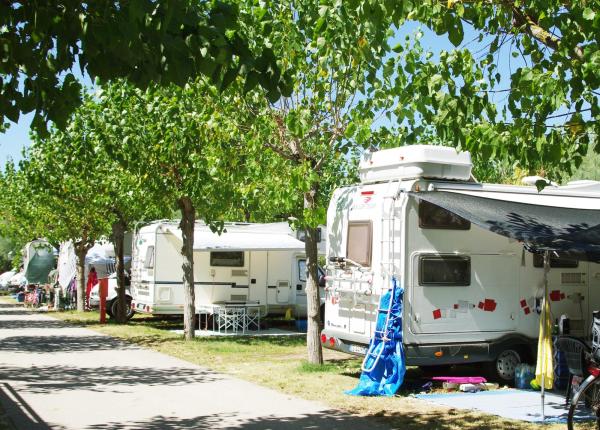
[118,233]
[81,250]
[188,220]
[315,350]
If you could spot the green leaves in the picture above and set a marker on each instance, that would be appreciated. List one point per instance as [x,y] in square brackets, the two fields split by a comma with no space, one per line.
[588,14]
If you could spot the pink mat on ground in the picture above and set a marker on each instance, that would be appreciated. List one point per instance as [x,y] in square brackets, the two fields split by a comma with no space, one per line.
[460,379]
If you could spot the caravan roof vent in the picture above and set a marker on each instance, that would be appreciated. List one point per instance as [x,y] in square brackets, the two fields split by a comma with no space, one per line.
[415,161]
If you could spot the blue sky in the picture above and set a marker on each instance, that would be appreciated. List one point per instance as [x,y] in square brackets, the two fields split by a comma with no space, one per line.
[17,138]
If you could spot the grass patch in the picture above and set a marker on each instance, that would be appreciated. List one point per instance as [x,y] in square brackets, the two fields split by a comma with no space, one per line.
[328,367]
[280,363]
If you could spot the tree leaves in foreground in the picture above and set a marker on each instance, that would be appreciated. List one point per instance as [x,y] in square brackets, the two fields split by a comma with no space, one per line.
[145,41]
[524,90]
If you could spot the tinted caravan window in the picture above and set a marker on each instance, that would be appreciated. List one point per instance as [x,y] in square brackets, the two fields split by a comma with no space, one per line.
[227,258]
[360,239]
[555,262]
[433,216]
[437,270]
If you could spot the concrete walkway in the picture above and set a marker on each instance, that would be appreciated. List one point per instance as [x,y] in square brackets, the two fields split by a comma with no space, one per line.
[56,376]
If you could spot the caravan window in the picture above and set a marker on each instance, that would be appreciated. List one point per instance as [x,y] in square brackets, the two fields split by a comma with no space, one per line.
[444,271]
[302,270]
[149,259]
[433,216]
[227,258]
[360,239]
[555,262]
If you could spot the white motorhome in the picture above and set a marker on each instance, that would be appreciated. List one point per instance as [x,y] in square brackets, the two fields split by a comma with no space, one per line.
[247,263]
[471,295]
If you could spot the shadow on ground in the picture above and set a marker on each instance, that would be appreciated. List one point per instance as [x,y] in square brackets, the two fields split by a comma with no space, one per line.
[331,420]
[46,344]
[50,379]
[26,323]
[17,414]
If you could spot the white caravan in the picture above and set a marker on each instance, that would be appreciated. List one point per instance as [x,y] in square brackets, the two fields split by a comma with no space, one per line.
[470,295]
[247,263]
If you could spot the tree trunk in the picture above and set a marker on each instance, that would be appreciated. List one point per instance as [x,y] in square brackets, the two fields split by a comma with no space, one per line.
[81,250]
[188,220]
[315,350]
[118,233]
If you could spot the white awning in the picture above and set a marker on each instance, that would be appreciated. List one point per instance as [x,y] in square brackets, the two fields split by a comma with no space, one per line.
[206,240]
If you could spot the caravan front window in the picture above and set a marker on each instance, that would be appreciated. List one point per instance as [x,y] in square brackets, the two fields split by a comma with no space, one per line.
[149,259]
[227,259]
[433,216]
[359,244]
[442,271]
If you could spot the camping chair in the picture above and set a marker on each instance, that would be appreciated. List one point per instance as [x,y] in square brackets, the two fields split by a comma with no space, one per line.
[229,318]
[574,350]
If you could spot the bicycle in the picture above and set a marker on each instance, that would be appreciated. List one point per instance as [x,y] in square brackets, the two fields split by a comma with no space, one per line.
[587,397]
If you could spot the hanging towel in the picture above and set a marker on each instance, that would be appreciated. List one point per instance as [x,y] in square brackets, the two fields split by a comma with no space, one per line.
[545,363]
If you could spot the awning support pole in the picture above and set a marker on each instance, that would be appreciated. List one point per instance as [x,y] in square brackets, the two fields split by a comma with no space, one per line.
[543,333]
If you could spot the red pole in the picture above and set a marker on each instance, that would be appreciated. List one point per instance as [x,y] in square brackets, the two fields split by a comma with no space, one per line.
[103,292]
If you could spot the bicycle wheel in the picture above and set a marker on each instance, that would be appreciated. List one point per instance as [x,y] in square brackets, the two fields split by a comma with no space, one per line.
[584,412]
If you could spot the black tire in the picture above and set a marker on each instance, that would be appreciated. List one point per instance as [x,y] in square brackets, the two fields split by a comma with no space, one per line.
[504,365]
[114,308]
[109,306]
[588,403]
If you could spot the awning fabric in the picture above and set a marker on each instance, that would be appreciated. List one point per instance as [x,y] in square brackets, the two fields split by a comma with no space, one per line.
[543,221]
[205,240]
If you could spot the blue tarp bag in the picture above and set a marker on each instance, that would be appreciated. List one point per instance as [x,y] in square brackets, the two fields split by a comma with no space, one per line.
[384,365]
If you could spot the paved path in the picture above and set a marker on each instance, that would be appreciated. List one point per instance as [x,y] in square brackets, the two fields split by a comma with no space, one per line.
[56,376]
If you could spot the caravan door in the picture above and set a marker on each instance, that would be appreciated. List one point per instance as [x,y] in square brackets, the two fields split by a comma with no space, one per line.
[454,293]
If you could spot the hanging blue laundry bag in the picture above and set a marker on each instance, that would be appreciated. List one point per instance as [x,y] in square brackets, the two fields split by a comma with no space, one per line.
[384,365]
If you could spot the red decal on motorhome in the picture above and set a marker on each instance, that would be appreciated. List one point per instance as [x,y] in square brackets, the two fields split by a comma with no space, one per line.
[555,296]
[526,310]
[523,303]
[437,314]
[489,305]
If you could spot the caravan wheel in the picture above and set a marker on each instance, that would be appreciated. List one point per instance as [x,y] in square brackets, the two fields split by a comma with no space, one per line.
[505,364]
[113,308]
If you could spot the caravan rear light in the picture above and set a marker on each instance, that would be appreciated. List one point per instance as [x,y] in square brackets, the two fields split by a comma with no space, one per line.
[594,371]
[323,338]
[332,341]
